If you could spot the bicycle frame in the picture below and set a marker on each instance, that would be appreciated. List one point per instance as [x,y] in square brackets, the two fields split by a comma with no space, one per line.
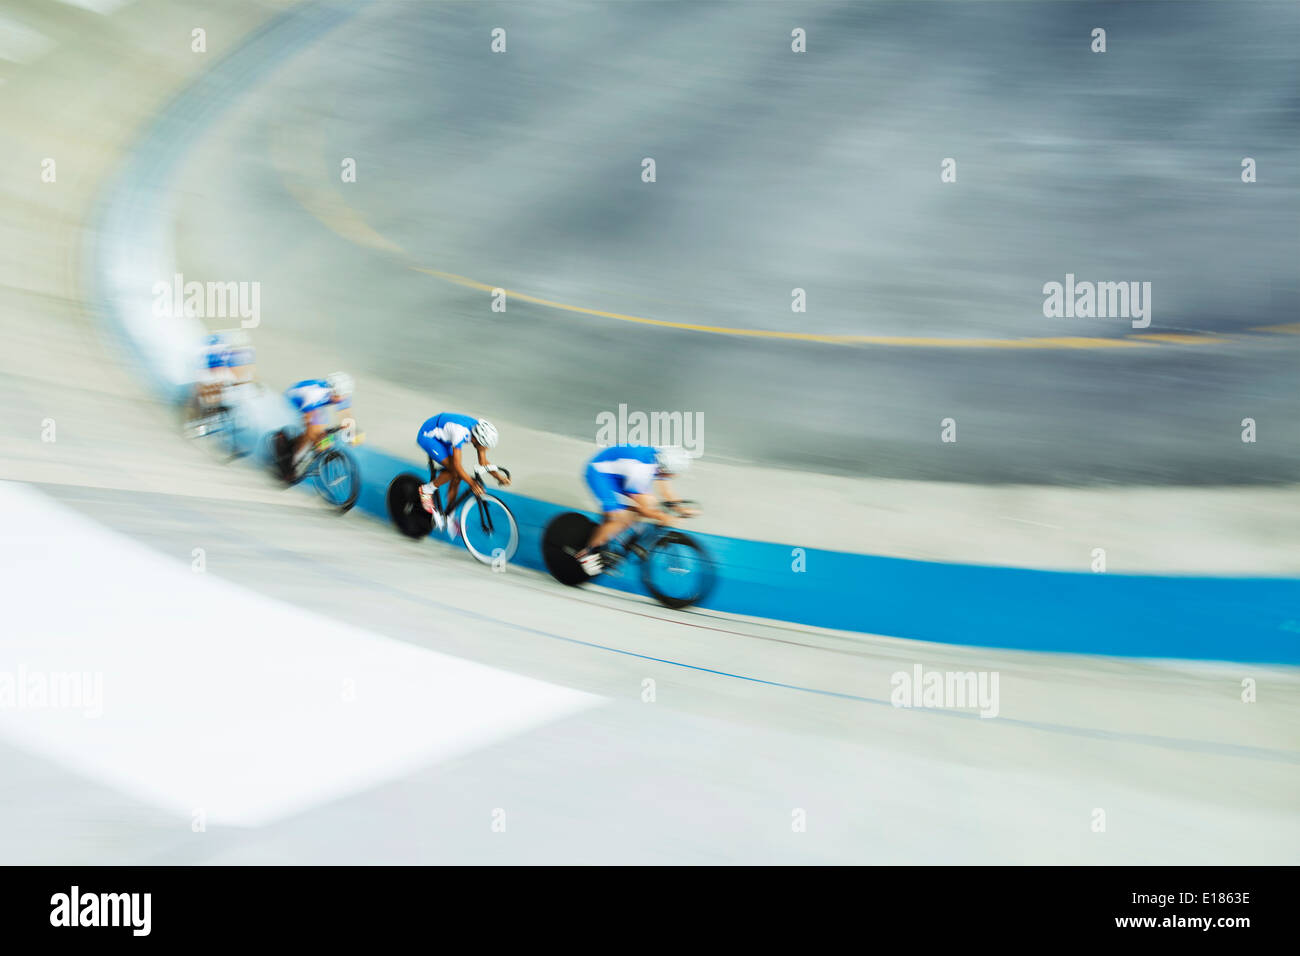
[323,446]
[637,540]
[484,514]
[640,536]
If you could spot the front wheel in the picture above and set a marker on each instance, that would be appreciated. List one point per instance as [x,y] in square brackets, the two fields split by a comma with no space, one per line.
[338,479]
[677,572]
[488,529]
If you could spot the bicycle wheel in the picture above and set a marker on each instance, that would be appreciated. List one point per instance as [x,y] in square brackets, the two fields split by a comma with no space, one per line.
[338,479]
[216,427]
[488,529]
[227,434]
[677,572]
[278,455]
[566,533]
[404,508]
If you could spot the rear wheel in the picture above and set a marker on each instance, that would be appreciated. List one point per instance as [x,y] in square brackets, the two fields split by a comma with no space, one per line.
[409,516]
[279,455]
[677,572]
[566,534]
[338,479]
[488,529]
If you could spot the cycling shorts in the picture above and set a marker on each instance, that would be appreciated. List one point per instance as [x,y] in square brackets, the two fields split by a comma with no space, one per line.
[608,490]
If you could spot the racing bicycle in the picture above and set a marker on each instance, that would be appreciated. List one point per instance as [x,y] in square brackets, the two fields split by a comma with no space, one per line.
[485,524]
[217,424]
[675,568]
[332,468]
[222,422]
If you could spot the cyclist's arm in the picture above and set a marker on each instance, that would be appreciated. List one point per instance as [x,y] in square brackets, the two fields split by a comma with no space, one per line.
[648,506]
[669,494]
[458,471]
[501,477]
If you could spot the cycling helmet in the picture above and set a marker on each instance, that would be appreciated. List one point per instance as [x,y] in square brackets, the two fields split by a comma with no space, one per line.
[340,384]
[672,460]
[485,433]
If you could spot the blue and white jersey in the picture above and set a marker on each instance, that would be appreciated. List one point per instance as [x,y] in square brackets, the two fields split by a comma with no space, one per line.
[220,352]
[632,467]
[446,431]
[216,352]
[310,394]
[237,356]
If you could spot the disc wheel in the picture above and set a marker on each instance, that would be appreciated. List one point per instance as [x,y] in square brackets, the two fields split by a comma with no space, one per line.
[404,508]
[567,533]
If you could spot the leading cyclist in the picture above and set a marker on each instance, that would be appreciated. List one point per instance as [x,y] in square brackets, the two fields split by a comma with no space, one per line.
[443,437]
[622,478]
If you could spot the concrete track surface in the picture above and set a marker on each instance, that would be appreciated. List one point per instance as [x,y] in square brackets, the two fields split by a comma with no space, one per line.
[641,735]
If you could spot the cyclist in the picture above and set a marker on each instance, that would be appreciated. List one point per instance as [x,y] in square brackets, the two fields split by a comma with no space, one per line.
[622,478]
[442,438]
[313,397]
[227,361]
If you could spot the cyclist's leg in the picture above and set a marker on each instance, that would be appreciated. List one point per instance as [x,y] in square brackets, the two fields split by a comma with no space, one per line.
[614,524]
[596,557]
[439,474]
[437,453]
[617,517]
[304,444]
[209,389]
[313,427]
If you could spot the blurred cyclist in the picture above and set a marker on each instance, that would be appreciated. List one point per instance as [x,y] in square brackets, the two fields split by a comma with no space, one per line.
[621,477]
[313,397]
[227,361]
[442,437]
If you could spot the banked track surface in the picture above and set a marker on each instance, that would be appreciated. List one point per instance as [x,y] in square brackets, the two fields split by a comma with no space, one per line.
[711,772]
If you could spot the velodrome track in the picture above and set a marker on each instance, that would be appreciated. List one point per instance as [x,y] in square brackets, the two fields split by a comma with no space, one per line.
[751,720]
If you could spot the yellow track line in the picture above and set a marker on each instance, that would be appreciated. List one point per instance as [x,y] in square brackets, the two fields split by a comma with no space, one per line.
[1076,341]
[344,221]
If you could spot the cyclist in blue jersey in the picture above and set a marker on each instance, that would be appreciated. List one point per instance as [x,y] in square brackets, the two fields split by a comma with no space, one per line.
[443,437]
[226,361]
[313,397]
[623,479]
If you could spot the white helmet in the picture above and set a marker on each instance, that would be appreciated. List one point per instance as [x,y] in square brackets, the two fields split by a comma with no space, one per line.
[672,460]
[340,384]
[485,433]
